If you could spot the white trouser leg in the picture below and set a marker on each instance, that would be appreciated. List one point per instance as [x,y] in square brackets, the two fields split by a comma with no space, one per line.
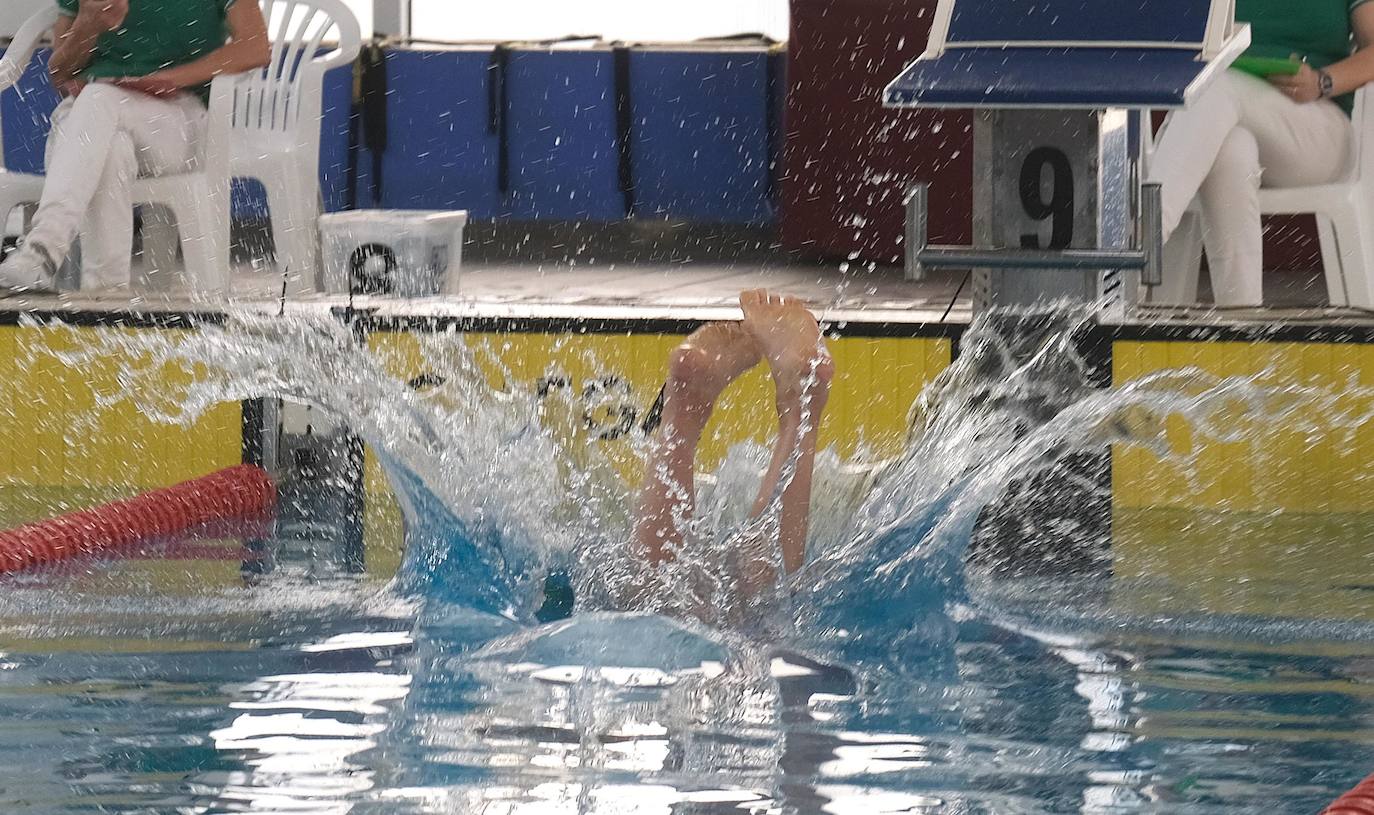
[107,235]
[101,128]
[1231,228]
[1293,145]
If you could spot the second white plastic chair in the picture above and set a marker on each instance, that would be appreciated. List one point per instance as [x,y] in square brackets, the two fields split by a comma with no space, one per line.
[1345,224]
[276,121]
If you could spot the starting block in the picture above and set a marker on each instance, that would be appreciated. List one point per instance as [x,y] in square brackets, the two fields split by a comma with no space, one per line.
[1059,90]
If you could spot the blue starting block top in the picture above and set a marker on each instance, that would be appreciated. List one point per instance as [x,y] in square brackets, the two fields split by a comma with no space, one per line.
[1078,21]
[1049,77]
[1070,54]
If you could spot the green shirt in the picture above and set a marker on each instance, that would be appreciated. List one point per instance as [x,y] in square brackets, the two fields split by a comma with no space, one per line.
[1318,30]
[157,34]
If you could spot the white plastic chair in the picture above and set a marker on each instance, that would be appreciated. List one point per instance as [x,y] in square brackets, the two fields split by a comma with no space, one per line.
[199,201]
[276,123]
[1345,223]
[263,125]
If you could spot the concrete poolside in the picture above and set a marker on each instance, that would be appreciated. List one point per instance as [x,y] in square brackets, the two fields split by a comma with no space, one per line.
[682,290]
[660,271]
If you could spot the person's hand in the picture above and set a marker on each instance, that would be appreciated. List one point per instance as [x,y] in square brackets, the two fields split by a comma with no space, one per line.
[105,15]
[153,84]
[1302,87]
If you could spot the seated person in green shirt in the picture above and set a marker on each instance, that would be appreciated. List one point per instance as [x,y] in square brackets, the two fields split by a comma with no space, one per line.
[1288,129]
[135,74]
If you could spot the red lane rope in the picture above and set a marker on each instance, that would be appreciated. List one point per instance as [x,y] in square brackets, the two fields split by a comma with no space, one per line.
[242,493]
[1359,801]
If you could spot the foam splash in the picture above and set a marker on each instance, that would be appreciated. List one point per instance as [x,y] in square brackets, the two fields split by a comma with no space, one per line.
[496,494]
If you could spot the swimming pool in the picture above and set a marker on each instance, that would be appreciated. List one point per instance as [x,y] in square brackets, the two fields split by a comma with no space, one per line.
[325,697]
[1219,664]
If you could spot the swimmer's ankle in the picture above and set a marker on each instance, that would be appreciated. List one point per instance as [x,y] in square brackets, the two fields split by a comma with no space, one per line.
[810,389]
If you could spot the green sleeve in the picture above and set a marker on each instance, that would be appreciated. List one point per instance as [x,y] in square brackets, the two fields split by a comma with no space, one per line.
[67,6]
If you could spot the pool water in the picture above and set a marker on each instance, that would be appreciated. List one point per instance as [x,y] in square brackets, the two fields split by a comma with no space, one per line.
[334,695]
[1193,665]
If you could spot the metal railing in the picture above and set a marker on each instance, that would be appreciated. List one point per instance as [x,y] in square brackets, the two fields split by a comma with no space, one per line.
[1146,256]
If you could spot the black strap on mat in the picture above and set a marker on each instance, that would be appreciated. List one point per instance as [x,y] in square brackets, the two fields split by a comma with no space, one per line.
[355,137]
[774,96]
[624,127]
[372,90]
[498,103]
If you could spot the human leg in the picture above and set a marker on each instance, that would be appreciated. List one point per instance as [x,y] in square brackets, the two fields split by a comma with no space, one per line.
[1188,146]
[1232,232]
[1299,144]
[791,341]
[1277,143]
[1241,130]
[34,266]
[79,148]
[698,371]
[88,159]
[108,229]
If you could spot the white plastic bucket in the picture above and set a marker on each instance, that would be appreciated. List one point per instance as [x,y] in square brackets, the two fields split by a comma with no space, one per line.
[396,252]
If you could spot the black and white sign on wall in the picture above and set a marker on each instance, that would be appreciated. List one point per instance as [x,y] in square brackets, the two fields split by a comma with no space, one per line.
[1049,179]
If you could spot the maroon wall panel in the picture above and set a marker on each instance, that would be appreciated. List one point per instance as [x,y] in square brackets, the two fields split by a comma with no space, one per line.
[848,160]
[1290,243]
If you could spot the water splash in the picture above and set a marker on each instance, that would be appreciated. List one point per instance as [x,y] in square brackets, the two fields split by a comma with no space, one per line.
[1020,400]
[497,493]
[500,486]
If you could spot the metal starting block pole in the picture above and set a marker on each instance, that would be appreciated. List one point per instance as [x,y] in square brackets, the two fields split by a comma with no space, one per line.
[1146,258]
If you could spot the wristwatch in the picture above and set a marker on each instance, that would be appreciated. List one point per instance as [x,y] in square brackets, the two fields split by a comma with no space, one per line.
[1325,84]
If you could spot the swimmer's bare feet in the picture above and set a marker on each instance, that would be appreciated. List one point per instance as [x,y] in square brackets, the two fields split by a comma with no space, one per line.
[711,358]
[790,340]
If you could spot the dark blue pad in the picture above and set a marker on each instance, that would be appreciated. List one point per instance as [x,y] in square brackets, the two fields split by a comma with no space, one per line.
[1027,21]
[1048,77]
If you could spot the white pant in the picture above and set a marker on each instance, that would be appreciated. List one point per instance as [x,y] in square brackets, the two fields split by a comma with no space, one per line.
[101,140]
[1240,133]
